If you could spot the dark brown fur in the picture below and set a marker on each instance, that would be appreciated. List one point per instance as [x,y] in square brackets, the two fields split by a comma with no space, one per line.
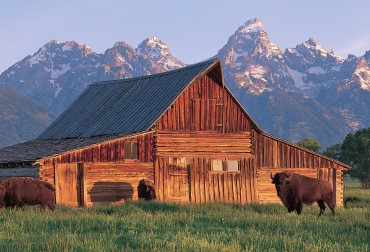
[294,190]
[146,190]
[21,191]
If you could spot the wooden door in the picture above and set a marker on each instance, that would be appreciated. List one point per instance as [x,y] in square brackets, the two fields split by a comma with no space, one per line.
[178,183]
[68,184]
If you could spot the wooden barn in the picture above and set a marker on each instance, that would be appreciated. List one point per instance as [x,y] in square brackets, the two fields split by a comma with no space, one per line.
[183,130]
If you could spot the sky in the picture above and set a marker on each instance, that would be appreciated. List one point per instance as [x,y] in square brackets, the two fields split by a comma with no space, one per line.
[194,30]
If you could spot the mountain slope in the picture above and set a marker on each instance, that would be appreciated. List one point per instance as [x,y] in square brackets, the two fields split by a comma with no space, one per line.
[20,118]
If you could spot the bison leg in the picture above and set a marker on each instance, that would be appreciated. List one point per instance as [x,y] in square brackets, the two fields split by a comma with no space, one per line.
[290,209]
[299,207]
[51,206]
[43,206]
[332,207]
[330,200]
[322,206]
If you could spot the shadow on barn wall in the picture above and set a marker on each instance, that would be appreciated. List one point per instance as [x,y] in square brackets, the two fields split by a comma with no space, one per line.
[110,192]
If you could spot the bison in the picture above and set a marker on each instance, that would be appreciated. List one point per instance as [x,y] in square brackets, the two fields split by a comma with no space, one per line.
[21,191]
[146,190]
[294,190]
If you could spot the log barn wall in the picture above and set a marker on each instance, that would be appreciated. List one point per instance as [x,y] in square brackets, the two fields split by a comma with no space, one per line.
[183,169]
[106,175]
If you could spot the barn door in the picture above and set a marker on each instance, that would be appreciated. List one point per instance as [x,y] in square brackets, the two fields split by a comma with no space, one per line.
[69,184]
[178,183]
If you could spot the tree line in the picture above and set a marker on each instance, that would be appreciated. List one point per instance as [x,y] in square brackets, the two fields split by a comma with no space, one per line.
[354,151]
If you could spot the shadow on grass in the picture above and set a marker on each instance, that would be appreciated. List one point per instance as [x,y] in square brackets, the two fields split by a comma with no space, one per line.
[153,207]
[356,202]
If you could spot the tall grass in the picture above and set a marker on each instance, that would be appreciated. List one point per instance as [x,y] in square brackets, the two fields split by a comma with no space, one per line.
[151,226]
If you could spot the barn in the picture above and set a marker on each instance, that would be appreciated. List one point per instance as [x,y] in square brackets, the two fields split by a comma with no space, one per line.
[183,130]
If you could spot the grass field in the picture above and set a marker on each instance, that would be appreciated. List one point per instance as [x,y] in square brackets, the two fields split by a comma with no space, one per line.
[151,226]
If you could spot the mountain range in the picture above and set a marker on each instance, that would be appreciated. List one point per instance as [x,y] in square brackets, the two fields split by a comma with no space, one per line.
[301,92]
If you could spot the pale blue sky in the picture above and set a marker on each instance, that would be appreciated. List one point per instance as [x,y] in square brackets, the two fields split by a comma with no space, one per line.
[193,29]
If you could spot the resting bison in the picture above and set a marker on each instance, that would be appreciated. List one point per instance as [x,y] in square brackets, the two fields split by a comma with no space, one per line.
[146,190]
[21,191]
[294,190]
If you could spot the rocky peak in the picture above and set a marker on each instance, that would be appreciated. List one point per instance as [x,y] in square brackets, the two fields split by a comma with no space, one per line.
[367,56]
[251,39]
[156,50]
[313,52]
[253,62]
[361,74]
[252,26]
[312,67]
[120,54]
[153,48]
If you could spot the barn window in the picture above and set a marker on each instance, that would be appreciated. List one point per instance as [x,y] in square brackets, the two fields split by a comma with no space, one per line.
[130,150]
[225,165]
[217,165]
[232,165]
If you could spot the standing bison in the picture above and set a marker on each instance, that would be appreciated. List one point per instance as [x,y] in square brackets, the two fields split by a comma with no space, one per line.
[146,190]
[21,191]
[294,190]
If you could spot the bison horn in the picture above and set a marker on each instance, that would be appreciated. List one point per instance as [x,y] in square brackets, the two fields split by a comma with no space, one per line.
[271,176]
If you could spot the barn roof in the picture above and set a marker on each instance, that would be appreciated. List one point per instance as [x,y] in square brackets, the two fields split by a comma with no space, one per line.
[37,149]
[123,106]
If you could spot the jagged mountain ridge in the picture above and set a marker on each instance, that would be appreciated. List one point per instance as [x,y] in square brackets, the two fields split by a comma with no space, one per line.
[337,89]
[58,72]
[302,92]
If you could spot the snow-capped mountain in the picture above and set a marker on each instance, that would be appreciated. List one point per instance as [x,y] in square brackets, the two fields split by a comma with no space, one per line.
[42,76]
[252,62]
[58,72]
[337,89]
[305,91]
[158,52]
[312,67]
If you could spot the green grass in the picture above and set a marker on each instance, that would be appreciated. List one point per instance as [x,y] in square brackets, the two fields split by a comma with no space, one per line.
[151,226]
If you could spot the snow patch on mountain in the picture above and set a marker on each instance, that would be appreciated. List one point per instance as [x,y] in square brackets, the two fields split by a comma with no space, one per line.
[316,70]
[55,73]
[67,48]
[38,57]
[251,26]
[298,79]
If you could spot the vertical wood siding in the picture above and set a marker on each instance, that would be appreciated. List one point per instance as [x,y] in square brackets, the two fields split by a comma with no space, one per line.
[204,106]
[205,185]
